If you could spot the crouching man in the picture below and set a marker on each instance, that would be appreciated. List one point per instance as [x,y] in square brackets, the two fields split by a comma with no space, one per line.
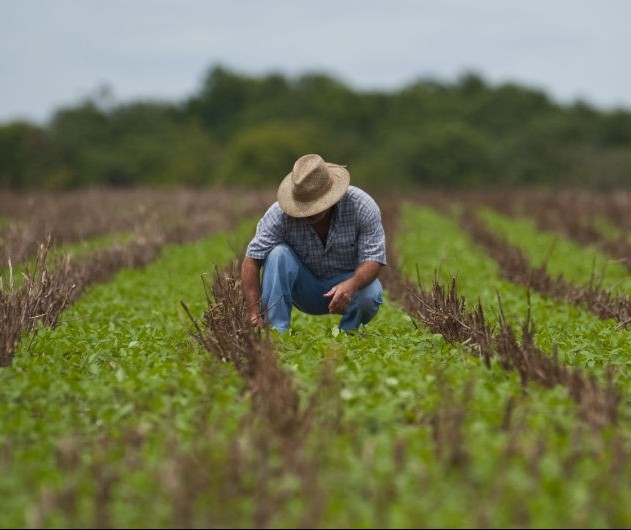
[320,247]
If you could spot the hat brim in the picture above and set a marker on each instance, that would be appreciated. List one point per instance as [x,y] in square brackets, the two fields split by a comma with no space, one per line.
[294,208]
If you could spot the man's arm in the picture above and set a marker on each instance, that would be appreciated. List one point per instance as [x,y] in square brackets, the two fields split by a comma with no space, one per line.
[251,281]
[342,293]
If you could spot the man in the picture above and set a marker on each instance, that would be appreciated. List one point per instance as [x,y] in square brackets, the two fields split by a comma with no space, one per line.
[321,246]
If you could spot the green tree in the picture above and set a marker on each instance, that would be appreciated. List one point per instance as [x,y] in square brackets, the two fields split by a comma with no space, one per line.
[249,130]
[443,154]
[25,155]
[263,155]
[223,97]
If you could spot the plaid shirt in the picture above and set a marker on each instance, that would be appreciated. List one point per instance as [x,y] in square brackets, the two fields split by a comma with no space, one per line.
[356,235]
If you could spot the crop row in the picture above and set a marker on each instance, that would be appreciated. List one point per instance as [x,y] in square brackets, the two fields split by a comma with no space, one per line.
[46,285]
[470,401]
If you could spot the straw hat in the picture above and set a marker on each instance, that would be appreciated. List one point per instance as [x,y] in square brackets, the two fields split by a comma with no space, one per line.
[313,186]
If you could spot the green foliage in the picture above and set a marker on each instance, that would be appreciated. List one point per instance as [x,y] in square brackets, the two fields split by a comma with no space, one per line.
[438,154]
[119,364]
[559,256]
[505,110]
[387,464]
[432,244]
[25,152]
[223,96]
[139,144]
[262,153]
[116,418]
[248,130]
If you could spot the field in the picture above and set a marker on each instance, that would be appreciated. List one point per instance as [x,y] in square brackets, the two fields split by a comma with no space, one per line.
[491,390]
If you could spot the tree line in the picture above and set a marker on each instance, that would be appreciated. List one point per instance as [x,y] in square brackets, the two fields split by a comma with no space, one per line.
[240,130]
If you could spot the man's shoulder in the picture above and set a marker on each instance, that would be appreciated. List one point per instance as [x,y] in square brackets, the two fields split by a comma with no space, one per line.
[360,198]
[273,217]
[274,211]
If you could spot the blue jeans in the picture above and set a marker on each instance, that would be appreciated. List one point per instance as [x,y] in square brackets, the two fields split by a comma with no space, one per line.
[287,283]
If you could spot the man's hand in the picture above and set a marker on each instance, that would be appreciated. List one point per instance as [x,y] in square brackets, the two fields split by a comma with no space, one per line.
[256,319]
[341,295]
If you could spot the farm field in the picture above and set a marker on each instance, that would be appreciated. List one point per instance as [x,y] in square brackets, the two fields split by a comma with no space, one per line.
[492,390]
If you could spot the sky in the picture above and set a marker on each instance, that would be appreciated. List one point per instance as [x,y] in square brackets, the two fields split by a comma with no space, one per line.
[56,53]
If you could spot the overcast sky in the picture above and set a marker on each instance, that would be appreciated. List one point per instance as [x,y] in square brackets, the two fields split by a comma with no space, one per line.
[57,52]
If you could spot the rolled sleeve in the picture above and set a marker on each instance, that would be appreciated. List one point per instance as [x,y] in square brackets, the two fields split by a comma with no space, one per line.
[269,233]
[371,242]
